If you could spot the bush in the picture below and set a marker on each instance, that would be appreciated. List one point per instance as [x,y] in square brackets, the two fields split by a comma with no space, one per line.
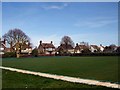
[86,51]
[95,54]
[35,52]
[9,54]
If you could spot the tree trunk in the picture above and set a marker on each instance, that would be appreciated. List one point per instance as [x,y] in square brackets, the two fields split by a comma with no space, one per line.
[18,54]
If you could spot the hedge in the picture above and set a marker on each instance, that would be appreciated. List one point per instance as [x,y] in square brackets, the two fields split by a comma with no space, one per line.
[9,54]
[95,54]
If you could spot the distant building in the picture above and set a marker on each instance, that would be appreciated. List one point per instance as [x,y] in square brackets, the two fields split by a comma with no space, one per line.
[65,49]
[24,47]
[2,46]
[110,49]
[94,48]
[101,48]
[46,48]
[80,48]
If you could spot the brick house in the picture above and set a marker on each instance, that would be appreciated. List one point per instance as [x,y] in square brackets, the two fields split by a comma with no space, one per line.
[46,48]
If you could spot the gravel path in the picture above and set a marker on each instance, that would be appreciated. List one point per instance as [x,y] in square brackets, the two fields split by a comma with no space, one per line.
[66,78]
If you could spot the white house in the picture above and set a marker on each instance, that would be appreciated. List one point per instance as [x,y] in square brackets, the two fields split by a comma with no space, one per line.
[94,48]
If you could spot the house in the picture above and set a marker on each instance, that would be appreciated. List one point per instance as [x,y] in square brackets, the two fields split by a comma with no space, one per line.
[23,47]
[118,49]
[2,46]
[101,48]
[46,48]
[65,49]
[110,49]
[7,49]
[94,48]
[80,48]
[27,48]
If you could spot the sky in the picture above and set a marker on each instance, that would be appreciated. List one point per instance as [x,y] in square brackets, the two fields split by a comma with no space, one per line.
[92,22]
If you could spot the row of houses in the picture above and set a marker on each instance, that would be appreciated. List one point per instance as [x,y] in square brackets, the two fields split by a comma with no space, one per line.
[25,47]
[49,48]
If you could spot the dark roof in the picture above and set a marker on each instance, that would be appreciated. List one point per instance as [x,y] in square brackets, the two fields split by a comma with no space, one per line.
[68,46]
[78,47]
[83,47]
[47,45]
[60,48]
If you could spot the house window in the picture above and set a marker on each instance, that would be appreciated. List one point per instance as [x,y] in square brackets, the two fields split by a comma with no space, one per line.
[49,49]
[1,48]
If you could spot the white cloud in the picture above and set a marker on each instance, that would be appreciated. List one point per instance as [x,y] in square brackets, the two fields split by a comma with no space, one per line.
[47,7]
[95,22]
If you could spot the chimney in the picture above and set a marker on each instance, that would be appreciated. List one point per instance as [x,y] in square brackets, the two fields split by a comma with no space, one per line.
[100,44]
[28,43]
[40,42]
[76,44]
[51,42]
[4,41]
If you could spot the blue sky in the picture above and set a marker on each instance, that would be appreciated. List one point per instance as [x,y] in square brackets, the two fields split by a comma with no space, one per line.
[96,23]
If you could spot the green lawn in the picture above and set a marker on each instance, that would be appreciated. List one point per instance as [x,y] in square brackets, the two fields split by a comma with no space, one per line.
[18,80]
[98,68]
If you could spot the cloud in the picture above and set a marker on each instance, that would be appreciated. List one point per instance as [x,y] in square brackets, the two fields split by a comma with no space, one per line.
[58,7]
[95,22]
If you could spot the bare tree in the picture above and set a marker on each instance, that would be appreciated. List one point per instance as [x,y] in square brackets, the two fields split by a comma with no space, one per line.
[16,37]
[66,40]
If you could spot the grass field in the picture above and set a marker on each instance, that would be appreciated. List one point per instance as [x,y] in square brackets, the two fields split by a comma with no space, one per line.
[98,68]
[19,80]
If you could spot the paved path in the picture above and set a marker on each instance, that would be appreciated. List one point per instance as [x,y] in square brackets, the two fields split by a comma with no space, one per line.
[66,78]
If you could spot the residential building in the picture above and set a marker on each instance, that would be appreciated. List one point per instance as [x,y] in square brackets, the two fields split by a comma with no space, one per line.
[65,49]
[23,47]
[46,48]
[101,48]
[80,48]
[94,48]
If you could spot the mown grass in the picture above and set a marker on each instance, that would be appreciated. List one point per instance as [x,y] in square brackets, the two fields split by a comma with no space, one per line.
[98,68]
[18,80]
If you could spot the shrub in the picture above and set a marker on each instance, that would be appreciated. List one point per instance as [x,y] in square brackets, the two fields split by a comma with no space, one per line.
[86,51]
[35,52]
[9,54]
[96,54]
